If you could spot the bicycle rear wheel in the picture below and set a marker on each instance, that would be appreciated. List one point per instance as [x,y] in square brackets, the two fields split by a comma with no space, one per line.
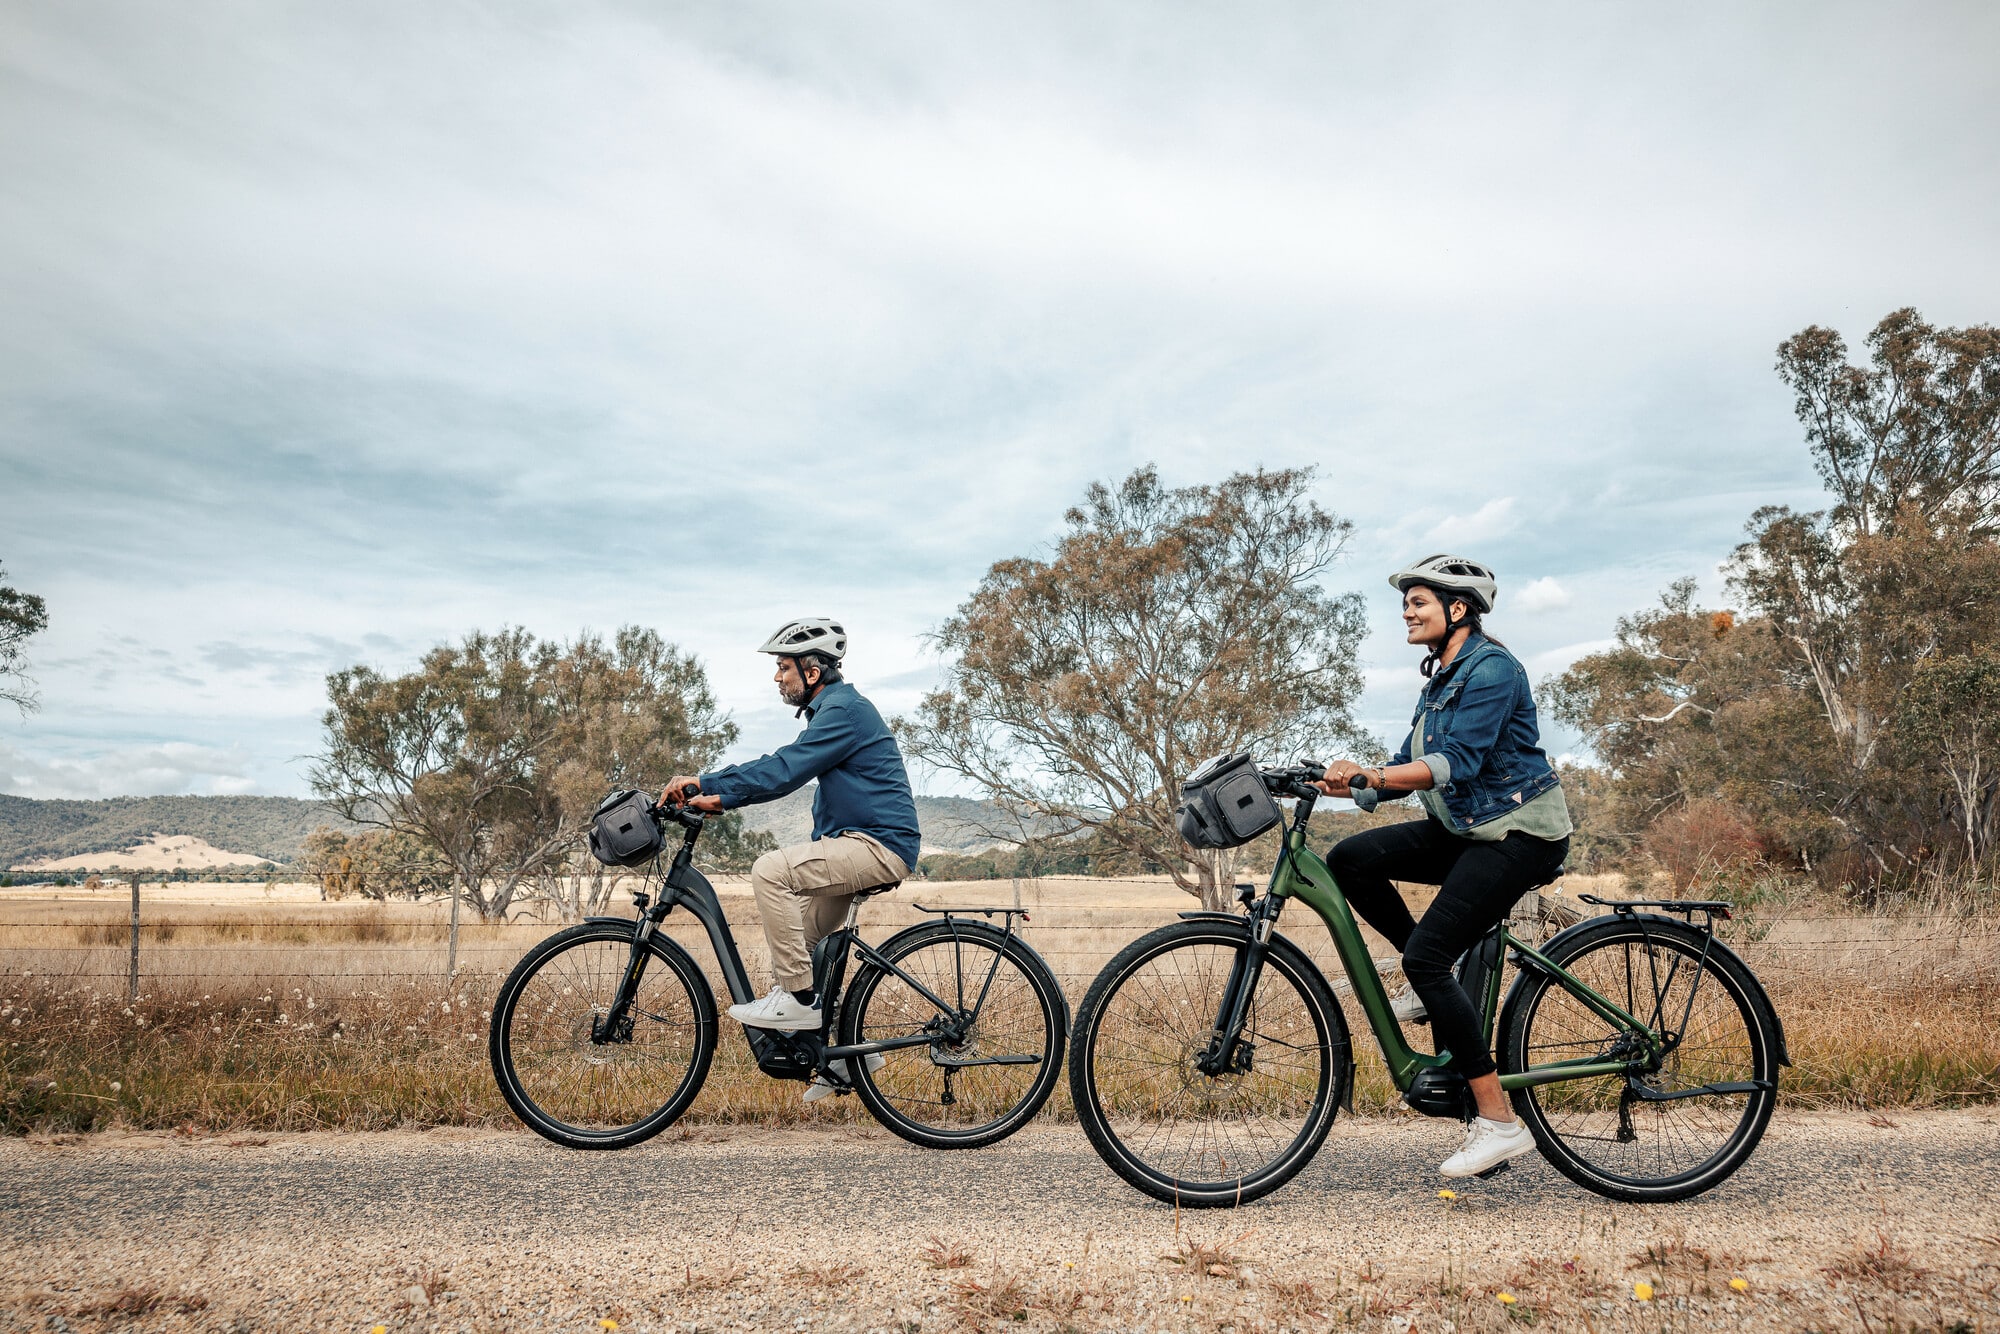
[1159,1122]
[586,1094]
[1606,1134]
[991,1062]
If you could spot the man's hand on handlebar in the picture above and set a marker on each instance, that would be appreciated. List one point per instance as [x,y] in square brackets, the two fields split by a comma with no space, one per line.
[684,789]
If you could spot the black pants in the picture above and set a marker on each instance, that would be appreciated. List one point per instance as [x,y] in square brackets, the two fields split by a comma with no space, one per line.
[1478,882]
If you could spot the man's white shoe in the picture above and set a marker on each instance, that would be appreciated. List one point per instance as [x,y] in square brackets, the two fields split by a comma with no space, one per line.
[821,1088]
[780,1009]
[1408,1007]
[1487,1145]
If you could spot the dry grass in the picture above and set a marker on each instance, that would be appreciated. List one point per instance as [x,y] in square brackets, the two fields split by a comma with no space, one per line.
[276,1020]
[938,1253]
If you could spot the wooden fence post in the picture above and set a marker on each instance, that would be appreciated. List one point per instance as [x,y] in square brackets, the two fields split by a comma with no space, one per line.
[132,974]
[451,951]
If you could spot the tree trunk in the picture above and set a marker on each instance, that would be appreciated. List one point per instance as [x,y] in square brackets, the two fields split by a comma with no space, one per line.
[1217,877]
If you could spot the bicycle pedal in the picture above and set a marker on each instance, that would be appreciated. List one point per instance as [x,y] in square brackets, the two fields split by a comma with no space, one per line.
[1494,1170]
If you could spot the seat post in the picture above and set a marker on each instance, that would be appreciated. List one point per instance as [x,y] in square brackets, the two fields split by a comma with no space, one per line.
[854,904]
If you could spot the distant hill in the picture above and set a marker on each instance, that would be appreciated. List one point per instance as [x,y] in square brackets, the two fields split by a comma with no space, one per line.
[948,824]
[276,827]
[270,827]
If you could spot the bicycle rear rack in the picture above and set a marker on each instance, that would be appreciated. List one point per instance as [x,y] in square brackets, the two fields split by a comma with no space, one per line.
[1711,910]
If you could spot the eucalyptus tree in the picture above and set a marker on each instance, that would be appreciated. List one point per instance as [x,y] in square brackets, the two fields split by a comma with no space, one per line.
[1168,624]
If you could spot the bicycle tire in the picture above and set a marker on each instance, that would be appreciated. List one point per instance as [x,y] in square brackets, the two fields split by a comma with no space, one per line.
[583,1095]
[1023,1013]
[1160,1123]
[1599,1133]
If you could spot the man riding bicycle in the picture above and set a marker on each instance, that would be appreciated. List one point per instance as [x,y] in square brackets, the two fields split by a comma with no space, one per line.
[864,831]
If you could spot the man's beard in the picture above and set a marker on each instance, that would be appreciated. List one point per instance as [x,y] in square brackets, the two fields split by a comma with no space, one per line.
[795,697]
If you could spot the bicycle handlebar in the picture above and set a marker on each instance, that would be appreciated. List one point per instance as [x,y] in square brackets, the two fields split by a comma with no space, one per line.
[684,815]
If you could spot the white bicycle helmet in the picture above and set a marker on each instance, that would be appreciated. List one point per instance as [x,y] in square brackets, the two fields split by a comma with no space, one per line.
[808,634]
[1453,574]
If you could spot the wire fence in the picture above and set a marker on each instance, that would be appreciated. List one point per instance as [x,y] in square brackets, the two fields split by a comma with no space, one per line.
[176,949]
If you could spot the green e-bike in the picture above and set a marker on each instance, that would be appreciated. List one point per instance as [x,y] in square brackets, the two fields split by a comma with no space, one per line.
[1210,1057]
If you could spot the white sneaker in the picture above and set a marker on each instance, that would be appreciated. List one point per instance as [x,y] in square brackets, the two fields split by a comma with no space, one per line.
[1487,1145]
[1408,1007]
[780,1009]
[821,1087]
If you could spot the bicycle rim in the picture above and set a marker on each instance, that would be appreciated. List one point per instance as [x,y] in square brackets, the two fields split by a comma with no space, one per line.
[1175,1132]
[924,1093]
[590,1095]
[1598,1131]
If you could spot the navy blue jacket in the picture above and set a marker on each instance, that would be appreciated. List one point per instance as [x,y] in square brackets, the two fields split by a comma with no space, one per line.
[1480,736]
[863,786]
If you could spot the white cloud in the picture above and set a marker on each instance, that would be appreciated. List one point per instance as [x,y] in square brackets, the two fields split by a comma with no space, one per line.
[170,768]
[1544,594]
[1556,660]
[1460,531]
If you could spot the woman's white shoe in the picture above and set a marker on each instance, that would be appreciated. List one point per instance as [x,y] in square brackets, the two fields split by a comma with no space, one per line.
[1487,1145]
[1408,1007]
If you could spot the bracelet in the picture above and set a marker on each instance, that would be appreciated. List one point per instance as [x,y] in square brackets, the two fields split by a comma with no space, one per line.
[1381,777]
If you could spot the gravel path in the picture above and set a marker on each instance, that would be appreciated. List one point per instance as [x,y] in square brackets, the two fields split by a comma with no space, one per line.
[1838,1221]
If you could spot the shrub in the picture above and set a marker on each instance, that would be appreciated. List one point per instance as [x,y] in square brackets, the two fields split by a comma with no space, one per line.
[1701,841]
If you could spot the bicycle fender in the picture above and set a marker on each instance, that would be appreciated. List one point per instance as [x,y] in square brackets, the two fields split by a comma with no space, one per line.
[1213,917]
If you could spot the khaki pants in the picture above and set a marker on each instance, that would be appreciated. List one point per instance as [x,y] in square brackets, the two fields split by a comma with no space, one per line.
[803,893]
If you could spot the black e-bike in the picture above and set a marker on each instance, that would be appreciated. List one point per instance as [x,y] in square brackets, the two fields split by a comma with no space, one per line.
[951,1032]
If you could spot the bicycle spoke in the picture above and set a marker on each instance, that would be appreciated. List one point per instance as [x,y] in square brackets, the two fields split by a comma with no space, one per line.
[1604,1128]
[590,1088]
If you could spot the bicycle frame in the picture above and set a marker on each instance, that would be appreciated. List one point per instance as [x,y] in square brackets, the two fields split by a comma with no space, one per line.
[1301,874]
[685,886]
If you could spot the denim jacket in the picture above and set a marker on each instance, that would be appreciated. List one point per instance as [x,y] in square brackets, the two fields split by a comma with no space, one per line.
[1480,737]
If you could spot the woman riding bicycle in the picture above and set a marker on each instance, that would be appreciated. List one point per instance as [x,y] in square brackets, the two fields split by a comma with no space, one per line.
[1495,826]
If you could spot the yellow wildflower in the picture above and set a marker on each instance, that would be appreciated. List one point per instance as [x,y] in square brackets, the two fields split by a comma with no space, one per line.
[608,1325]
[1643,1291]
[379,1329]
[1506,1299]
[1739,1285]
[1447,1195]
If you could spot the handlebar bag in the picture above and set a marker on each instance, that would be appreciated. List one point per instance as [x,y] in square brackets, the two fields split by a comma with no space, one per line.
[624,830]
[1224,804]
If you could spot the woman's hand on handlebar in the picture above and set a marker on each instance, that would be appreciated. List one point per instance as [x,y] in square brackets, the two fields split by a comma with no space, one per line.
[685,790]
[1335,781]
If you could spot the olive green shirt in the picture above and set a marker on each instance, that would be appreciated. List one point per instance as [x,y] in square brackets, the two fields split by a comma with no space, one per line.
[1546,816]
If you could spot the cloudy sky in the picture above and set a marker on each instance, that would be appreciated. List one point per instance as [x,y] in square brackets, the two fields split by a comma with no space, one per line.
[328,332]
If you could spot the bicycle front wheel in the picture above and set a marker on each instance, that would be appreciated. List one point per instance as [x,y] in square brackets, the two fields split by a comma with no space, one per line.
[1162,1124]
[564,1077]
[1633,1139]
[996,1046]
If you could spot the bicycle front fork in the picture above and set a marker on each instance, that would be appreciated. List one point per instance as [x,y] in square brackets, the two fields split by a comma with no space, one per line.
[1228,1053]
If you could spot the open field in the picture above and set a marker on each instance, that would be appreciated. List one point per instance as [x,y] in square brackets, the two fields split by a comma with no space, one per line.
[1842,1221]
[269,1009]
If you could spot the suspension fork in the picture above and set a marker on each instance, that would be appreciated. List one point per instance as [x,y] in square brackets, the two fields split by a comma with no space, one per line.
[615,1024]
[1227,1053]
